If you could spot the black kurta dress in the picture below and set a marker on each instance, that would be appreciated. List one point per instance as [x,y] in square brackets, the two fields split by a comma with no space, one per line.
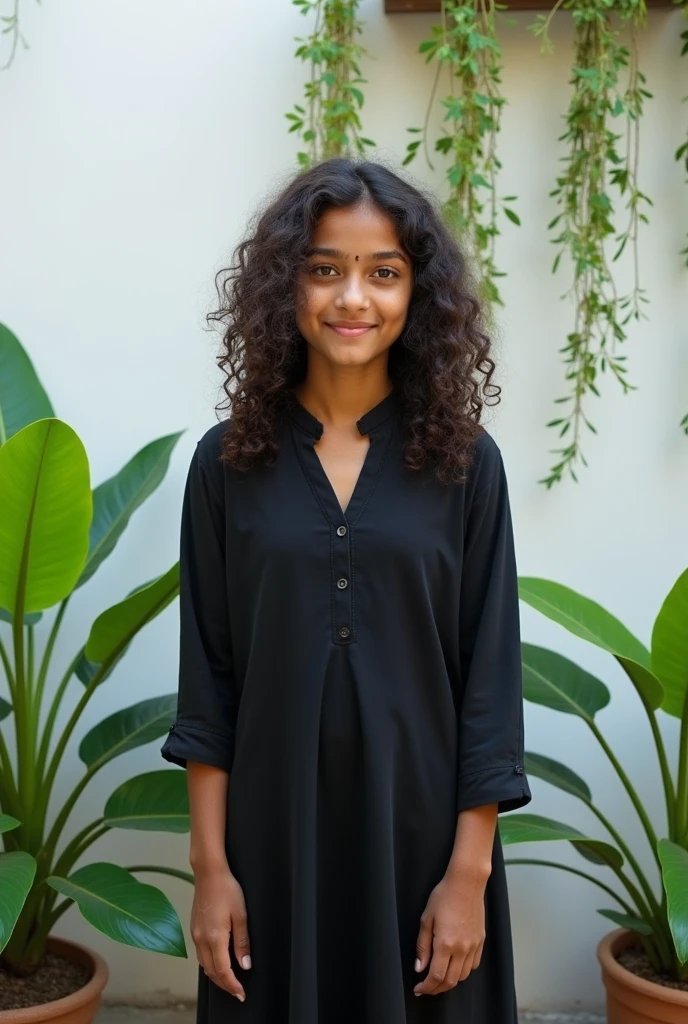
[358,674]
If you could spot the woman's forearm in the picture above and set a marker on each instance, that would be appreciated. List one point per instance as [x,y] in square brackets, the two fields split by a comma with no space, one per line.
[207,788]
[475,832]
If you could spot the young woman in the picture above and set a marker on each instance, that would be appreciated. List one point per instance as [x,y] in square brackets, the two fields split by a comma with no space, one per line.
[350,703]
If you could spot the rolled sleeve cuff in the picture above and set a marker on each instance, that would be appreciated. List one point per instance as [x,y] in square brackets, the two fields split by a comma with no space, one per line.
[192,743]
[504,784]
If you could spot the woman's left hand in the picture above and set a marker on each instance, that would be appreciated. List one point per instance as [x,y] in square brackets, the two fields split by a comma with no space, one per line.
[452,932]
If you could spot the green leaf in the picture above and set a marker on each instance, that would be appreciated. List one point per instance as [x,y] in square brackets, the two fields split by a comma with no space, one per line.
[153,802]
[5,709]
[532,828]
[116,499]
[129,728]
[674,861]
[670,647]
[558,775]
[512,216]
[124,909]
[590,621]
[22,398]
[552,680]
[635,924]
[85,669]
[17,871]
[45,495]
[8,823]
[117,626]
[29,620]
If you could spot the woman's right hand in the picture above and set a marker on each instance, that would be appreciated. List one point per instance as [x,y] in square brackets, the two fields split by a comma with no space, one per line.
[218,912]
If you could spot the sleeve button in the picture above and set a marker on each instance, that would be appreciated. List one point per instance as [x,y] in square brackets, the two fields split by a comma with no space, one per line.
[518,769]
[344,631]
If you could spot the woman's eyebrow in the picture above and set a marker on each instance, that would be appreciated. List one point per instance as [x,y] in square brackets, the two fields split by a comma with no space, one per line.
[385,254]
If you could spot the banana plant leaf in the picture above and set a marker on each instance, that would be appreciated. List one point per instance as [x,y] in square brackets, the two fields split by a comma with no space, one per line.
[674,861]
[552,680]
[116,499]
[17,872]
[126,729]
[123,908]
[635,924]
[22,397]
[118,625]
[153,802]
[670,647]
[5,709]
[557,774]
[29,620]
[45,496]
[532,828]
[589,620]
[8,823]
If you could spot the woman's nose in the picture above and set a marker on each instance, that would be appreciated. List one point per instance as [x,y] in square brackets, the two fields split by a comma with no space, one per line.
[352,294]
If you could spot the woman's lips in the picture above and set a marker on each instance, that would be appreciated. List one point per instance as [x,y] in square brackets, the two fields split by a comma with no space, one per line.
[351,332]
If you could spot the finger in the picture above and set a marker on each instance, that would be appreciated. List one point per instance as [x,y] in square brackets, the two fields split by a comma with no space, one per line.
[466,967]
[478,956]
[223,975]
[437,972]
[424,942]
[242,946]
[451,978]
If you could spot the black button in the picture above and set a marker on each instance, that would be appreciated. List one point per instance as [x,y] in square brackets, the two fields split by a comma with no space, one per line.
[341,530]
[518,769]
[344,631]
[342,583]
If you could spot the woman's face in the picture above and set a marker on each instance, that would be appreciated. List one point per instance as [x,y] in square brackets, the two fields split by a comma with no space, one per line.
[355,292]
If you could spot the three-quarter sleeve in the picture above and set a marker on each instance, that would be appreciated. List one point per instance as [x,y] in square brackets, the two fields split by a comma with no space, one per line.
[204,729]
[491,752]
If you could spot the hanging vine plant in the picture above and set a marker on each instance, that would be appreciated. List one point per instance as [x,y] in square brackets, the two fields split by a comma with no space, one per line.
[596,165]
[465,46]
[11,27]
[329,122]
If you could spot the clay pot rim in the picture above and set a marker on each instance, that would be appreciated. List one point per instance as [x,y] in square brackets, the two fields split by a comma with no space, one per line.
[621,938]
[57,1007]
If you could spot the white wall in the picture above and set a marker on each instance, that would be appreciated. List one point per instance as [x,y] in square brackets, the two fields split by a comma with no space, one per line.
[136,139]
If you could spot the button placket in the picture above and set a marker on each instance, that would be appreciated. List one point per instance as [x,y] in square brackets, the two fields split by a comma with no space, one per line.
[341,576]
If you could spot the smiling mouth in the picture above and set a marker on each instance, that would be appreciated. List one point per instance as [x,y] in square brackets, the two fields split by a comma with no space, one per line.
[351,331]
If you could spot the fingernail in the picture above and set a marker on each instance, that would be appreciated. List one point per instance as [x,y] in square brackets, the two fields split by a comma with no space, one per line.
[246,963]
[240,997]
[416,993]
[417,964]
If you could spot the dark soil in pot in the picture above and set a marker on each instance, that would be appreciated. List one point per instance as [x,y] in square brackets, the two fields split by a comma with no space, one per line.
[636,961]
[54,978]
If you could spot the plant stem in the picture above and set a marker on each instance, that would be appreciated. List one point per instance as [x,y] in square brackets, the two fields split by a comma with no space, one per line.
[653,909]
[682,791]
[635,799]
[631,911]
[8,787]
[48,849]
[52,715]
[8,671]
[45,662]
[173,872]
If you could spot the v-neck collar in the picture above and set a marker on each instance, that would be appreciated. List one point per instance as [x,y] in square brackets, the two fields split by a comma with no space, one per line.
[369,421]
[311,429]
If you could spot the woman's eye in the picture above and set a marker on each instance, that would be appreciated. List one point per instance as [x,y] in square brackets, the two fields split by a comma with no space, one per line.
[322,267]
[387,271]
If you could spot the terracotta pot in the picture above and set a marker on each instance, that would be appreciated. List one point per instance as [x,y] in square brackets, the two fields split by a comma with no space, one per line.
[633,1000]
[78,1008]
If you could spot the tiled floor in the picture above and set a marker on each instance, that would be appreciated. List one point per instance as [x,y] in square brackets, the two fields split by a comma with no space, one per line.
[131,1015]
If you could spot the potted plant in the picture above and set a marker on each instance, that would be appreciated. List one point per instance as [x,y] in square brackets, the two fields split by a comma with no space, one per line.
[54,534]
[645,960]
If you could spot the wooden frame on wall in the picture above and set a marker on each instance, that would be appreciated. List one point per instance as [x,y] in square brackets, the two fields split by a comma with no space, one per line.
[419,6]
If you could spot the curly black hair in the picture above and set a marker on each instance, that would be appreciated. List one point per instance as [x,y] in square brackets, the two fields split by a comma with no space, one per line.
[440,364]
